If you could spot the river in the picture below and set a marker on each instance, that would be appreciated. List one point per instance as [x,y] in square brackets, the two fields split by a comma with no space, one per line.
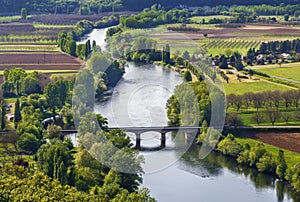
[139,99]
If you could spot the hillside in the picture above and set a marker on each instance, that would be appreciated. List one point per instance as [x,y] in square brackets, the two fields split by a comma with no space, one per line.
[71,6]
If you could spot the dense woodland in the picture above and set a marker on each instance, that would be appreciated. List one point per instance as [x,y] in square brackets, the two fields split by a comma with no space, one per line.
[87,6]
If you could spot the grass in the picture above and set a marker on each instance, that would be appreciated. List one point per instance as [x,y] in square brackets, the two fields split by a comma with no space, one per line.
[291,157]
[10,100]
[247,115]
[198,19]
[9,18]
[254,87]
[40,42]
[219,51]
[39,25]
[48,71]
[219,46]
[62,75]
[285,72]
[13,47]
[45,52]
[200,26]
[279,18]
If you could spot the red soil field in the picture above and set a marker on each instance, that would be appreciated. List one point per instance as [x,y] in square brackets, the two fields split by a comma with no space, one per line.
[16,28]
[249,31]
[44,67]
[286,140]
[28,51]
[53,58]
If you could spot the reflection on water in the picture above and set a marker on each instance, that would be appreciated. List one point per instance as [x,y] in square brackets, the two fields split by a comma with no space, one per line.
[215,166]
[139,100]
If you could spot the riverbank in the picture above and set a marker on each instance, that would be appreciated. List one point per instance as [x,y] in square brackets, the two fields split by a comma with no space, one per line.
[137,100]
[266,158]
[286,140]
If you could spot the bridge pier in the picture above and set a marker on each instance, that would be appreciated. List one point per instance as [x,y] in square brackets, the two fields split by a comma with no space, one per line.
[137,141]
[163,140]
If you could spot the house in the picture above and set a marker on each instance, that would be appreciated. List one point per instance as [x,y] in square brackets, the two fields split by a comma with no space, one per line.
[260,59]
[51,120]
[10,117]
[286,56]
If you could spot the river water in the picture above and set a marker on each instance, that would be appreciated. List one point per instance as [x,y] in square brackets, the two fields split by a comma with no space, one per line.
[139,99]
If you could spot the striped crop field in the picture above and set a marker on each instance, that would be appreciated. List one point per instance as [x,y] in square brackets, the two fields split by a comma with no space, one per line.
[219,46]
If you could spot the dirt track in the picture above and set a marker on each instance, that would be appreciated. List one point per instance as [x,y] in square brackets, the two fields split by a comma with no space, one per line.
[286,140]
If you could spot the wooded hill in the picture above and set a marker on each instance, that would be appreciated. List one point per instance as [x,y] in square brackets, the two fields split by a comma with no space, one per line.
[71,6]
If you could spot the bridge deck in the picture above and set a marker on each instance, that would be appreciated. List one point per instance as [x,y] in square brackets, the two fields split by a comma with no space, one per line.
[164,129]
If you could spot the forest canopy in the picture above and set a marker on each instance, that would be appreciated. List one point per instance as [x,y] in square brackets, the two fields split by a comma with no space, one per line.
[95,6]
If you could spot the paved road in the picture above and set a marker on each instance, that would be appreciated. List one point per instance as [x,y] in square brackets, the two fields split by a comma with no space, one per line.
[286,79]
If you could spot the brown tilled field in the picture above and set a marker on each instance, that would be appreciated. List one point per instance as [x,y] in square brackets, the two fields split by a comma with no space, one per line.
[37,58]
[245,31]
[44,67]
[286,140]
[15,28]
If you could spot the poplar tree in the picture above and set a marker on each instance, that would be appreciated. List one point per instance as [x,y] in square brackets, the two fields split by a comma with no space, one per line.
[17,114]
[3,112]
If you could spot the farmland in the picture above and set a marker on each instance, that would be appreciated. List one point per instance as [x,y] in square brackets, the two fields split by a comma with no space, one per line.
[199,19]
[46,62]
[36,58]
[233,37]
[219,47]
[284,72]
[40,105]
[291,157]
[255,87]
[28,33]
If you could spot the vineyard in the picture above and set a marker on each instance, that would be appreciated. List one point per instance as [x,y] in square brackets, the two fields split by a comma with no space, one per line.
[27,33]
[219,47]
[16,47]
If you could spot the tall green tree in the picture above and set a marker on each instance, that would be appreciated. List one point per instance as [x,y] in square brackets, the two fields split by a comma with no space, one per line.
[28,143]
[3,117]
[166,54]
[53,159]
[71,47]
[17,113]
[62,40]
[281,165]
[223,62]
[30,85]
[88,49]
[51,93]
[24,14]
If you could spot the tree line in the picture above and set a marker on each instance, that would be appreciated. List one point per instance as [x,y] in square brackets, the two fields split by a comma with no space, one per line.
[278,47]
[67,40]
[156,15]
[60,6]
[258,157]
[58,162]
[267,99]
[17,82]
[274,105]
[256,7]
[267,52]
